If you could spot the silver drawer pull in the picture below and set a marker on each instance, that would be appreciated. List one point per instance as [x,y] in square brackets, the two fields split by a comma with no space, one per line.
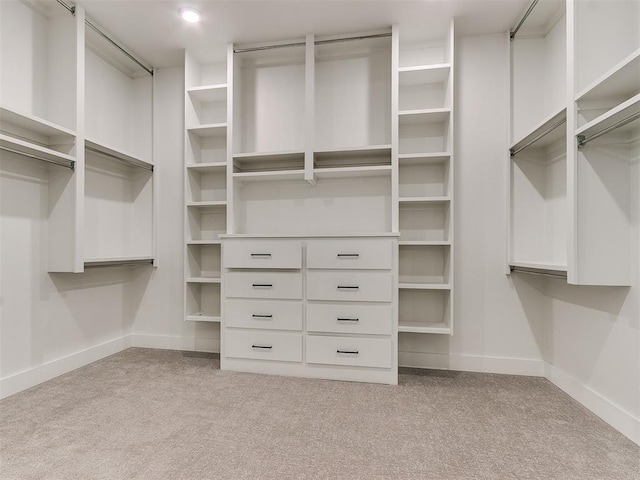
[262,347]
[348,287]
[341,319]
[259,315]
[348,352]
[260,255]
[348,255]
[262,285]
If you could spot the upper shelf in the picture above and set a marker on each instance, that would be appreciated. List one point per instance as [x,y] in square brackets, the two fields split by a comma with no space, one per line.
[208,93]
[36,125]
[624,111]
[623,80]
[36,151]
[117,154]
[543,135]
[424,74]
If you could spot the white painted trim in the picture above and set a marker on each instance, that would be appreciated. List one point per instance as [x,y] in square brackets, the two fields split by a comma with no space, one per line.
[472,363]
[30,378]
[172,342]
[623,421]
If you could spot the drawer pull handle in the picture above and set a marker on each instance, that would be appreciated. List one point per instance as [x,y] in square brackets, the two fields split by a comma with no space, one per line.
[348,352]
[348,255]
[348,287]
[260,255]
[262,347]
[262,285]
[259,315]
[340,319]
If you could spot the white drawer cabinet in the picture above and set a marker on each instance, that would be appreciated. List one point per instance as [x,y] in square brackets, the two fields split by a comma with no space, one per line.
[349,318]
[264,314]
[259,345]
[353,351]
[264,284]
[263,254]
[350,286]
[350,254]
[316,307]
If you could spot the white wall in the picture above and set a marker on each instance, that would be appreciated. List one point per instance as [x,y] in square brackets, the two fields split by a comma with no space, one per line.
[159,315]
[49,323]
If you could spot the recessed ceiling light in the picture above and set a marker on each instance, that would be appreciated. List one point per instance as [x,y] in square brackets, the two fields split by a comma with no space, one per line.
[189,14]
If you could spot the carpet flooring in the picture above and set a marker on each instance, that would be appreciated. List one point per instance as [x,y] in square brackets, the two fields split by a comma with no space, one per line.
[155,414]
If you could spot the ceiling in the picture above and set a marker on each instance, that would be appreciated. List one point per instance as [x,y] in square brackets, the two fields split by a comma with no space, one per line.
[153,30]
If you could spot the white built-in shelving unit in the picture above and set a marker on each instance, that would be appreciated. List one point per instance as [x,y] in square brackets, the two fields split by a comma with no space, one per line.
[70,98]
[575,98]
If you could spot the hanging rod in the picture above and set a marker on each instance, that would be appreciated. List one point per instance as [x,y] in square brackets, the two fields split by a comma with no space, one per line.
[144,165]
[539,273]
[317,42]
[69,164]
[513,32]
[538,137]
[118,263]
[72,10]
[583,140]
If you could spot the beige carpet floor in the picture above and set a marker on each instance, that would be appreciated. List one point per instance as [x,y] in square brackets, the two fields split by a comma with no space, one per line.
[153,414]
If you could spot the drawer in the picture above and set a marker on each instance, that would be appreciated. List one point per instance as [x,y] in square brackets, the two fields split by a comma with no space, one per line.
[262,254]
[263,314]
[349,318]
[283,347]
[351,351]
[350,254]
[260,284]
[349,286]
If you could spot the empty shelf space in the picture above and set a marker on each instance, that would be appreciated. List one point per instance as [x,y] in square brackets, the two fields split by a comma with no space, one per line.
[217,203]
[199,317]
[424,74]
[208,93]
[424,116]
[374,155]
[117,261]
[423,243]
[269,175]
[204,242]
[209,130]
[423,286]
[417,327]
[546,133]
[116,154]
[268,161]
[423,158]
[425,200]
[34,124]
[203,280]
[207,167]
[623,80]
[359,172]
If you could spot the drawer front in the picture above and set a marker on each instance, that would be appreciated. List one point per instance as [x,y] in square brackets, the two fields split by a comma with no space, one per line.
[263,254]
[260,284]
[350,254]
[282,347]
[351,351]
[349,318]
[263,314]
[349,286]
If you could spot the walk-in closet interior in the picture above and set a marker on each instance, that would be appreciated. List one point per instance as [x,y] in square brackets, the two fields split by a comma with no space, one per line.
[326,190]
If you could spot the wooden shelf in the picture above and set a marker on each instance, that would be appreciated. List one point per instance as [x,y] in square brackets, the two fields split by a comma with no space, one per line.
[424,116]
[35,150]
[423,286]
[209,130]
[208,93]
[269,156]
[416,327]
[348,172]
[207,167]
[423,158]
[36,125]
[424,243]
[204,242]
[354,152]
[203,280]
[613,116]
[623,80]
[198,317]
[271,175]
[424,74]
[218,203]
[554,134]
[425,200]
[116,154]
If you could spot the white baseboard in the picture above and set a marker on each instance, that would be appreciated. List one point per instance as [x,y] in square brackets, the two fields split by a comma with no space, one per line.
[168,342]
[608,411]
[30,378]
[472,363]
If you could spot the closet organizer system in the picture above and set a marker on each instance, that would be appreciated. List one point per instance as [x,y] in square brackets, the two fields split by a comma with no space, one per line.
[575,138]
[75,99]
[319,191]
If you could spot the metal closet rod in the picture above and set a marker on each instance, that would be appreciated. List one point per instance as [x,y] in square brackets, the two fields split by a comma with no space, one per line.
[70,164]
[582,140]
[513,32]
[317,42]
[541,274]
[120,159]
[72,10]
[538,137]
